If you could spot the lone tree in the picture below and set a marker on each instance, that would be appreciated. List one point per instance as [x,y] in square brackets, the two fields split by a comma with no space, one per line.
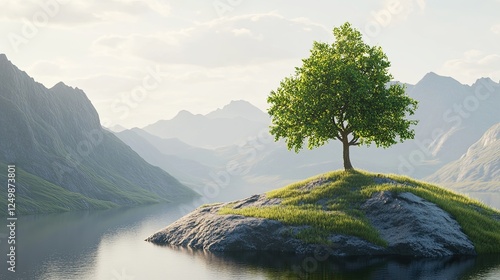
[342,92]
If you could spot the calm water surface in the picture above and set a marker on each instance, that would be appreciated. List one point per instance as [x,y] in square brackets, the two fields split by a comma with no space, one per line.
[110,245]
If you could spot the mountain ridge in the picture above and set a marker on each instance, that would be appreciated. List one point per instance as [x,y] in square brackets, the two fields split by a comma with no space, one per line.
[476,170]
[210,130]
[240,108]
[56,137]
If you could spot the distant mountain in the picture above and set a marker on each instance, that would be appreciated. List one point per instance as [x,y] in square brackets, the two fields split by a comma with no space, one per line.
[240,109]
[230,125]
[164,155]
[478,169]
[452,115]
[198,167]
[65,160]
[116,128]
[174,146]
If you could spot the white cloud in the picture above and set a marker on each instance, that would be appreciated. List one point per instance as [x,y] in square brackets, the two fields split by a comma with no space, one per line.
[110,41]
[237,40]
[472,65]
[397,10]
[241,31]
[65,13]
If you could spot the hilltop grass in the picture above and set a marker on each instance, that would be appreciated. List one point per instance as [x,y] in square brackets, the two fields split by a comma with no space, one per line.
[333,206]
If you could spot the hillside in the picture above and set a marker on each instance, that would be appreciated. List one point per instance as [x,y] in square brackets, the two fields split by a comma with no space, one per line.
[478,169]
[346,213]
[67,160]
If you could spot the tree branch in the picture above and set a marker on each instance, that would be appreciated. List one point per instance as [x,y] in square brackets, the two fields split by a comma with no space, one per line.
[354,141]
[338,136]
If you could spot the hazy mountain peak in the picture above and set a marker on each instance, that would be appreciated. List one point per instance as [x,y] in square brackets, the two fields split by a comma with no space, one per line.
[430,75]
[479,164]
[184,114]
[432,78]
[61,85]
[239,103]
[239,108]
[489,137]
[485,81]
[7,68]
[62,88]
[225,126]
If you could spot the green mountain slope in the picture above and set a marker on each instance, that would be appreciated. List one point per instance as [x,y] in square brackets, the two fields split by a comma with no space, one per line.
[64,156]
[36,195]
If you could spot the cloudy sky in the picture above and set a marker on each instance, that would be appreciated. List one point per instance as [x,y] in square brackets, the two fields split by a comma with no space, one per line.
[142,61]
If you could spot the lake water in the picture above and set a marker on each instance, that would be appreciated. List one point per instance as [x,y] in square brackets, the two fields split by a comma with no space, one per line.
[110,245]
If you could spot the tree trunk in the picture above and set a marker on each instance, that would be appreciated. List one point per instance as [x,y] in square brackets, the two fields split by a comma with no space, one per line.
[347,159]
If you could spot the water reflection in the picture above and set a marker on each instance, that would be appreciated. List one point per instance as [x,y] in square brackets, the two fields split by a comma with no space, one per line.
[54,246]
[110,245]
[287,266]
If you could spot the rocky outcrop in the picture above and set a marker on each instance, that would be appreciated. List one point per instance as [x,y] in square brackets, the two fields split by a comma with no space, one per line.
[205,229]
[411,226]
[415,227]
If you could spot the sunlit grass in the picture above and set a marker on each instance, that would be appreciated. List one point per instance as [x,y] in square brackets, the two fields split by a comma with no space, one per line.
[333,206]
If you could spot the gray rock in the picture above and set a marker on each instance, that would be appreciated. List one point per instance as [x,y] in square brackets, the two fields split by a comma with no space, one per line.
[414,226]
[411,225]
[257,200]
[205,229]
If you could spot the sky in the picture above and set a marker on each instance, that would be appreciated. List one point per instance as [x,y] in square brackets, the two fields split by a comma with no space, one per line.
[143,61]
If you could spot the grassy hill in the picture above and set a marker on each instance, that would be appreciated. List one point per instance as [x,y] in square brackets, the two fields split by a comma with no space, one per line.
[331,202]
[41,198]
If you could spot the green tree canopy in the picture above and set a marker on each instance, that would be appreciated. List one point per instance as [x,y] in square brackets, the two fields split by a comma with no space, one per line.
[342,92]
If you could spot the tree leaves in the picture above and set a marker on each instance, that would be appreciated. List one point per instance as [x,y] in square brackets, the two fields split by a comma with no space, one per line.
[340,92]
